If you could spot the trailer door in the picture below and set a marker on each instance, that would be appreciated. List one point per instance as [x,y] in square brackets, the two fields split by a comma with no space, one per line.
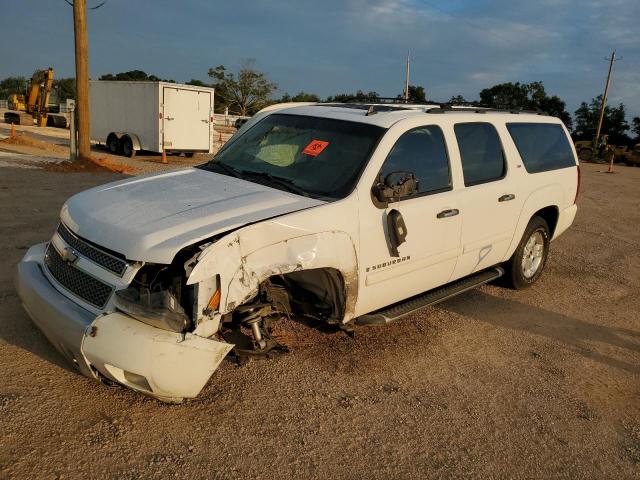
[187,116]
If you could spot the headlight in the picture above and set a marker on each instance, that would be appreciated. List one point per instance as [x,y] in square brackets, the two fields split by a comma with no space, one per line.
[158,309]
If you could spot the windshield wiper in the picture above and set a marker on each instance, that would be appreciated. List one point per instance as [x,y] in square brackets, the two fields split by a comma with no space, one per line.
[282,182]
[223,167]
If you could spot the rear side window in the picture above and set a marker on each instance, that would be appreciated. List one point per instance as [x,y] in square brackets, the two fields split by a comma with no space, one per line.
[480,152]
[421,151]
[542,146]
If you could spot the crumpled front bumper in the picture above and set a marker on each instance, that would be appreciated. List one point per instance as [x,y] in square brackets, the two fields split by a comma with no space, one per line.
[165,365]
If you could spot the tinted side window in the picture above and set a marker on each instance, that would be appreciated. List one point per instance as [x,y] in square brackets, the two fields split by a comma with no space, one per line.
[542,146]
[423,152]
[481,152]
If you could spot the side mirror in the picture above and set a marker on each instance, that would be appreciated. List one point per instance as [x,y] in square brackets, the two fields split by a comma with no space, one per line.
[394,186]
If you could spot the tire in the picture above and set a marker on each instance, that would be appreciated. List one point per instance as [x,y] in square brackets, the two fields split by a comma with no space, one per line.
[526,264]
[113,144]
[189,154]
[127,147]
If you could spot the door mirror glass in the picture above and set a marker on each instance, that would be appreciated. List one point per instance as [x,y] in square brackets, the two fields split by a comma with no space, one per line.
[395,186]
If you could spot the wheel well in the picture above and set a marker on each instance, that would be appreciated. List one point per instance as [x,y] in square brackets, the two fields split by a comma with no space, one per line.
[316,292]
[550,215]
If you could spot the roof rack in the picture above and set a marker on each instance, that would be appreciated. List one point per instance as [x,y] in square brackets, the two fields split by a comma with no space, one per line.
[389,104]
[448,108]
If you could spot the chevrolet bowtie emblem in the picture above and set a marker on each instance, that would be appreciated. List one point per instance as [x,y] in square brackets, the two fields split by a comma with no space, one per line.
[69,255]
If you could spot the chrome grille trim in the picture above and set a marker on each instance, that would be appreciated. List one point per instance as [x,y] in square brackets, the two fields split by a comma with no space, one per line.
[105,260]
[76,281]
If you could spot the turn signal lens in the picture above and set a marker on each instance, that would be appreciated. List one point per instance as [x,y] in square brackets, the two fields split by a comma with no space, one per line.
[214,302]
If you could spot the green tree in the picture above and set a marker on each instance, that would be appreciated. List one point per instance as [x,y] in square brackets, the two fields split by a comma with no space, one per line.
[245,92]
[197,83]
[64,88]
[133,76]
[359,96]
[300,97]
[614,123]
[635,126]
[11,85]
[416,94]
[457,100]
[531,96]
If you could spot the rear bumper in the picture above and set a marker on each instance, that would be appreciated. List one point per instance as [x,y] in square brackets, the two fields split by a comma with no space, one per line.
[166,365]
[565,219]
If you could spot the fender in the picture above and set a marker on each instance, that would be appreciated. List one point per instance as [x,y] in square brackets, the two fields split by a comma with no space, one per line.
[134,138]
[247,257]
[547,196]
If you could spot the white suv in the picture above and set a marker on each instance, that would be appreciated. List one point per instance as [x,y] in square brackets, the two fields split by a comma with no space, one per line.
[350,214]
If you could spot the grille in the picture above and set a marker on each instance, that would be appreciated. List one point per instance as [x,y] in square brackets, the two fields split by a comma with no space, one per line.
[105,260]
[76,281]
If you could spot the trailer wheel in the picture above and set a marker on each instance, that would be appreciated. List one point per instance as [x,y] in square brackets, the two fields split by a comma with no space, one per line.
[113,145]
[127,147]
[188,154]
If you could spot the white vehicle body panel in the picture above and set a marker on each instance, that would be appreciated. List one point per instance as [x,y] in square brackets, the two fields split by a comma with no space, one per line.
[160,114]
[163,364]
[248,233]
[150,218]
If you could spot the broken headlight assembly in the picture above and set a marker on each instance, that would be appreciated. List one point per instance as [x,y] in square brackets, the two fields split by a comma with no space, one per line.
[158,309]
[158,296]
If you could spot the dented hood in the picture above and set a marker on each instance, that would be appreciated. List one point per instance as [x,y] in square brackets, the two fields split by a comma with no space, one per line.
[150,218]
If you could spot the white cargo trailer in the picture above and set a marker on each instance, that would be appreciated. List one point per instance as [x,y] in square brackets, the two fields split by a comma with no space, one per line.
[132,116]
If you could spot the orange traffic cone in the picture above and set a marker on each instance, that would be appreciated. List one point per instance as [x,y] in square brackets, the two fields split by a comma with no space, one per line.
[13,130]
[164,156]
[610,170]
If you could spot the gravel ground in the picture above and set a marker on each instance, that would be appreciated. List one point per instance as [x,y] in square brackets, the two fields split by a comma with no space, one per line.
[542,383]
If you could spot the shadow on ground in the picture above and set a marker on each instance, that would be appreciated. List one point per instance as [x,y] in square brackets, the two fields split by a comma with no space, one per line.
[577,335]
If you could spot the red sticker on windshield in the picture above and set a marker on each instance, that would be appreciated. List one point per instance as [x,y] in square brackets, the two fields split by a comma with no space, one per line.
[315,147]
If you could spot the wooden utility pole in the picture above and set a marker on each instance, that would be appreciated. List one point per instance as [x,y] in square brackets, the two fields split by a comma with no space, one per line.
[596,140]
[82,77]
[406,82]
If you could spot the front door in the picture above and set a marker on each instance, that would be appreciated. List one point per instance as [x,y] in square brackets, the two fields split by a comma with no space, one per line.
[187,116]
[433,223]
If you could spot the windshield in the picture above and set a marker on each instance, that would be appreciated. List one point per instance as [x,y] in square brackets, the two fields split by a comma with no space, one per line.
[306,155]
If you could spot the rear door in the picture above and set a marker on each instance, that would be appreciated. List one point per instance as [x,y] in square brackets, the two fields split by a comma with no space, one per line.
[186,115]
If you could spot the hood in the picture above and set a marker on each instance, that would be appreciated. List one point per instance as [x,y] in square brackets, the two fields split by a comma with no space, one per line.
[150,218]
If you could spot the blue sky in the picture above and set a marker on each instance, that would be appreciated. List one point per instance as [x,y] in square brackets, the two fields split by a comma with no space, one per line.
[332,46]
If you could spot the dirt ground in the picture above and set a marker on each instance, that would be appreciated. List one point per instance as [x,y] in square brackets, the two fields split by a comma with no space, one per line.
[543,383]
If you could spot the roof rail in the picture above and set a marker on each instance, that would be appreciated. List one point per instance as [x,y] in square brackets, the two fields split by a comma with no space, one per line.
[448,108]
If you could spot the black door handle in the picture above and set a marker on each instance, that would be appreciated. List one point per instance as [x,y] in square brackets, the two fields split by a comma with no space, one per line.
[507,197]
[448,213]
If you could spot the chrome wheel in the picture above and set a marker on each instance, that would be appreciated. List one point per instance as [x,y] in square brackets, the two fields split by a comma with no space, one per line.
[533,254]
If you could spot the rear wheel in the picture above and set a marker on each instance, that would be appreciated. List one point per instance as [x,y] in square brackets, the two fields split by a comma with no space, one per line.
[528,261]
[127,147]
[113,144]
[189,154]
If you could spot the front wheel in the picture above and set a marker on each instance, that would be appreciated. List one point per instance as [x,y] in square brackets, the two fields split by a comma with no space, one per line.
[127,147]
[527,263]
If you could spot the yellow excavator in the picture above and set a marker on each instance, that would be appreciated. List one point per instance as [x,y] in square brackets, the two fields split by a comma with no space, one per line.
[35,106]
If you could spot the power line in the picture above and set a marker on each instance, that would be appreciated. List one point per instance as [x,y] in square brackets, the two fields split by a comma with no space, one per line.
[90,8]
